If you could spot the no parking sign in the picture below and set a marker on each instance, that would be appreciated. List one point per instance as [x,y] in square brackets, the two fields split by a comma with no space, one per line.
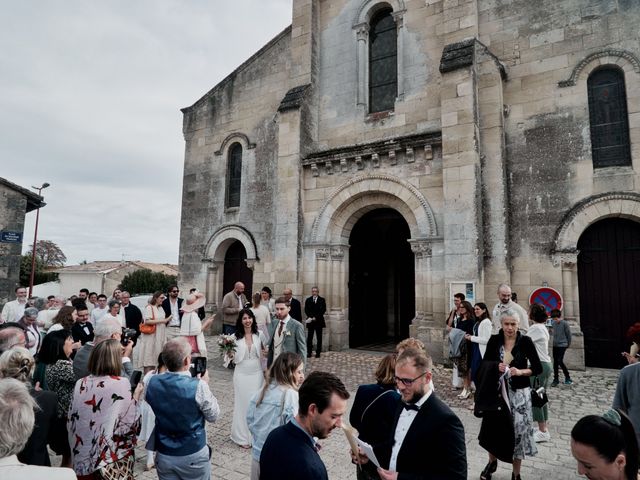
[548,297]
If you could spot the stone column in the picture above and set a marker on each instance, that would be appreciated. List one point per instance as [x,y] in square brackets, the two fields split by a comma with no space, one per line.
[338,331]
[568,262]
[213,292]
[362,36]
[399,19]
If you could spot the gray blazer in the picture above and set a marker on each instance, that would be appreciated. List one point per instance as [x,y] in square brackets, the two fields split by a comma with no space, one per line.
[293,342]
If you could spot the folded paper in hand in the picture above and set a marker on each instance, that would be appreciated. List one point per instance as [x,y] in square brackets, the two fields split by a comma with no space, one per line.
[368,451]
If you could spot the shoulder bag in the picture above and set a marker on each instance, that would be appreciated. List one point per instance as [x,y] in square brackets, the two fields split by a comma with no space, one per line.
[149,329]
[538,394]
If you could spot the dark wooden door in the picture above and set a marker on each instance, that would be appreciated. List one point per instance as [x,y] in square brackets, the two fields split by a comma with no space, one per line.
[236,270]
[381,279]
[609,283]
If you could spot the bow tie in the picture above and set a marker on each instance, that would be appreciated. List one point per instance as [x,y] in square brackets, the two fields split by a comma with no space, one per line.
[411,406]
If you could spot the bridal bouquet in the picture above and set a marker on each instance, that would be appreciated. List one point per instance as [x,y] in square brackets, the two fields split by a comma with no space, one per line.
[227,345]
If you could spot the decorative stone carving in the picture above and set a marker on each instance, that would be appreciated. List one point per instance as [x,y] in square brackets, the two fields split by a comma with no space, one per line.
[322,253]
[362,31]
[343,165]
[337,253]
[375,160]
[329,167]
[610,52]
[428,152]
[251,262]
[392,157]
[421,248]
[409,154]
[359,162]
[567,258]
[398,17]
[314,170]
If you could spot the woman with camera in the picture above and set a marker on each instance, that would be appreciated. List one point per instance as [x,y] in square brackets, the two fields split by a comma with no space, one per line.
[153,331]
[104,419]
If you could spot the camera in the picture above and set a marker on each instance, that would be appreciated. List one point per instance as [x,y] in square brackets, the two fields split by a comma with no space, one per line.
[127,334]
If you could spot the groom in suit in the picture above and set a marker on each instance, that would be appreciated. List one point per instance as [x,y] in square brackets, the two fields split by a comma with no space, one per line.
[315,308]
[427,438]
[287,335]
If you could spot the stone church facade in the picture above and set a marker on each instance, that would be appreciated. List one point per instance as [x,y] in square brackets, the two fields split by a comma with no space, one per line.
[390,151]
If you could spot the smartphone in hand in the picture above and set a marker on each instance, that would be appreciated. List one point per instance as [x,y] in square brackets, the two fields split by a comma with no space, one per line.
[198,366]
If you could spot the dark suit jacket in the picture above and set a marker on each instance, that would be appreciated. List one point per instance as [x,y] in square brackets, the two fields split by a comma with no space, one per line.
[296,310]
[373,415]
[80,334]
[315,310]
[35,451]
[166,306]
[289,453]
[133,317]
[434,447]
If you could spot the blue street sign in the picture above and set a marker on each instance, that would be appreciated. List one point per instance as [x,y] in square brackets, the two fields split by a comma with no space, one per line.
[11,237]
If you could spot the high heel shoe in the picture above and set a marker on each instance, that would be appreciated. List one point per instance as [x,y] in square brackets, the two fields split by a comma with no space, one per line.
[465,394]
[489,470]
[514,476]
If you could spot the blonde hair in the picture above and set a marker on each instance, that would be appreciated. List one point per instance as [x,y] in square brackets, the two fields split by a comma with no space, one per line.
[410,342]
[17,363]
[106,359]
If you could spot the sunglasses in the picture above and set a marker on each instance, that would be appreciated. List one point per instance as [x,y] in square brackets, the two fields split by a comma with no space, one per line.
[408,381]
[174,291]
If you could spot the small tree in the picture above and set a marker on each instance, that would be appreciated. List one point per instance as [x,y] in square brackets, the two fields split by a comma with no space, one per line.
[49,253]
[144,281]
[40,276]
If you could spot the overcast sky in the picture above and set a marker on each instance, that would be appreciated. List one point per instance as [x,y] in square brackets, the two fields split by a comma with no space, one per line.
[90,94]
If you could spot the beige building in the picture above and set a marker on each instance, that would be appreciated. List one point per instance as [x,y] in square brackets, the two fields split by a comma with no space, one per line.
[104,276]
[392,152]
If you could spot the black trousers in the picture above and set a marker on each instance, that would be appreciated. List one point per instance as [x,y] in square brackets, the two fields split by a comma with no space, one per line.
[558,361]
[311,329]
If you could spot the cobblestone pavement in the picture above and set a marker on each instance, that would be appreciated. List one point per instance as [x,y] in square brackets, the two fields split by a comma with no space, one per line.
[591,392]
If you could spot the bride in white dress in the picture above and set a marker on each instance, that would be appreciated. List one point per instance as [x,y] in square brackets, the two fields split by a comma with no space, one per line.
[247,376]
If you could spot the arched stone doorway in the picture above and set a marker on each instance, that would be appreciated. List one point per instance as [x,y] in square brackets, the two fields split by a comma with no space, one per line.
[236,269]
[608,272]
[381,279]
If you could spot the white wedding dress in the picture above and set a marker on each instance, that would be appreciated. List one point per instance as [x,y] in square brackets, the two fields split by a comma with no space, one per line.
[247,380]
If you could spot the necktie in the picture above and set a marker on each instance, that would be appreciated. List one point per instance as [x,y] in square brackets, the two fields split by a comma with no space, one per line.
[315,299]
[411,406]
[281,327]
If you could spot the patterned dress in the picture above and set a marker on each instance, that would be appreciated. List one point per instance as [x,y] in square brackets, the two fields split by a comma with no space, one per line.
[103,422]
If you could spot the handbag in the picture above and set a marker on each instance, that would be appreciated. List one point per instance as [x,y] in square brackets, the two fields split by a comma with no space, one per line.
[538,394]
[119,470]
[149,329]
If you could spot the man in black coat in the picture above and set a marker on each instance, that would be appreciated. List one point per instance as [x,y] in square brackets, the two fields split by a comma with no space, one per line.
[314,308]
[290,451]
[427,438]
[172,305]
[131,313]
[296,309]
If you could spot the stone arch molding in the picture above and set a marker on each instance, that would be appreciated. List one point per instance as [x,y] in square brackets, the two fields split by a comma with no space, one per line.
[241,138]
[621,58]
[368,7]
[361,194]
[589,211]
[225,236]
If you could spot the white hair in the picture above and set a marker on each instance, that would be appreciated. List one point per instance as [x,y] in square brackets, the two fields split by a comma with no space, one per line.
[510,313]
[106,328]
[16,416]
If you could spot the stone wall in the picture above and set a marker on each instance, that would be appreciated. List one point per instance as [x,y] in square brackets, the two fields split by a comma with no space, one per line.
[13,206]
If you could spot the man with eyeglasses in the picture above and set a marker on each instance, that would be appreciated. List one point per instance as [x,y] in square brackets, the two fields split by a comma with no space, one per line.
[427,438]
[172,305]
[14,310]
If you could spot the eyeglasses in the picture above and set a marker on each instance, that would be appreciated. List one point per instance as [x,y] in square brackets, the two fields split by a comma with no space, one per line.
[408,381]
[174,291]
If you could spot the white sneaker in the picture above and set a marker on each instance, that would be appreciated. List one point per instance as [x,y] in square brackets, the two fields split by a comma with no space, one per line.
[540,437]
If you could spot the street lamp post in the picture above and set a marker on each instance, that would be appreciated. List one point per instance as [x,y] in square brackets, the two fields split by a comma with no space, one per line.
[35,240]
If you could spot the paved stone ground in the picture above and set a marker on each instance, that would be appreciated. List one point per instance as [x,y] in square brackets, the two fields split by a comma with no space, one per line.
[591,393]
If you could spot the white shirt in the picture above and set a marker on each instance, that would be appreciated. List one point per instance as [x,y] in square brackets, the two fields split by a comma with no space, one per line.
[404,423]
[109,316]
[278,339]
[500,307]
[540,335]
[97,314]
[175,313]
[12,311]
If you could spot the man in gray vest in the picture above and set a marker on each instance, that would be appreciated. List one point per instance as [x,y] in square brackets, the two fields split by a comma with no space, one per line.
[181,404]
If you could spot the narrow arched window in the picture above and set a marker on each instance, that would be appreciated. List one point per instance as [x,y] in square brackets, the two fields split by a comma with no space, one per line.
[234,175]
[608,118]
[383,64]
